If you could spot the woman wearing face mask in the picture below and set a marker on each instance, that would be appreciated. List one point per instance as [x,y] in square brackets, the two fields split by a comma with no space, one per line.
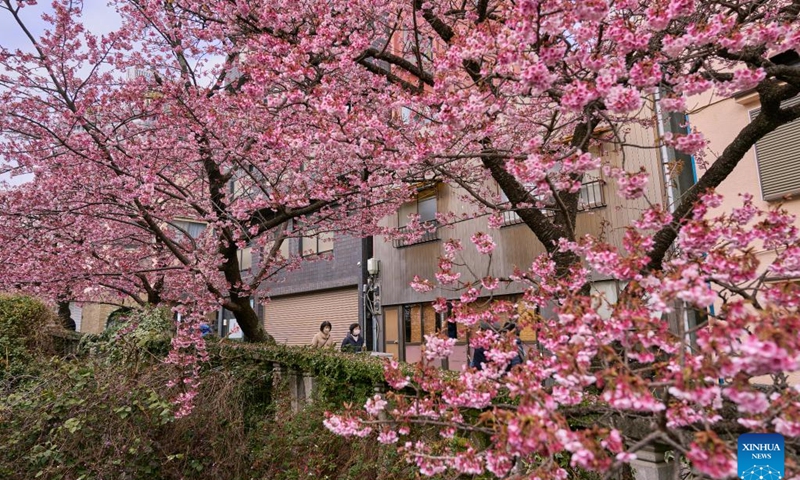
[353,342]
[323,338]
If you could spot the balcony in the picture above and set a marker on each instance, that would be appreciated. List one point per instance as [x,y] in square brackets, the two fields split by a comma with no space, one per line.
[426,237]
[592,196]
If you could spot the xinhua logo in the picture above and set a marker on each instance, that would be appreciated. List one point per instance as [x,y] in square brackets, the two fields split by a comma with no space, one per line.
[761,456]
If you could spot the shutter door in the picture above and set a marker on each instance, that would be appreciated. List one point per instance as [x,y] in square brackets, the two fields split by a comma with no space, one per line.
[294,320]
[778,156]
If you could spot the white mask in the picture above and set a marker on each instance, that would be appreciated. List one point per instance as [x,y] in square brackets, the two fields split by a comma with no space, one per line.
[356,332]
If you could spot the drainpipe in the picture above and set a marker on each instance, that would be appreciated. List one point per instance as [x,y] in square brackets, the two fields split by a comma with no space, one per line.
[661,126]
[664,151]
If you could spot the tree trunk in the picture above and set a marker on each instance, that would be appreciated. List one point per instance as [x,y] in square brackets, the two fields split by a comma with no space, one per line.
[248,320]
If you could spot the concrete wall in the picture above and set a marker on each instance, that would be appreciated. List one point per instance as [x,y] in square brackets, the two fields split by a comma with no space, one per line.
[92,316]
[341,270]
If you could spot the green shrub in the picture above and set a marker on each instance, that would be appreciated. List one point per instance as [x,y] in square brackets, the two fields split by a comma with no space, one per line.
[106,413]
[90,419]
[340,377]
[132,334]
[24,322]
[294,446]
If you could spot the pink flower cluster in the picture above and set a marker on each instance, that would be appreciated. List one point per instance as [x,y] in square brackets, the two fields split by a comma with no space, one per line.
[630,185]
[346,426]
[483,242]
[438,347]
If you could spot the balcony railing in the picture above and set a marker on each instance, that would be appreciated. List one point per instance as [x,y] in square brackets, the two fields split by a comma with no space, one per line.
[427,236]
[592,196]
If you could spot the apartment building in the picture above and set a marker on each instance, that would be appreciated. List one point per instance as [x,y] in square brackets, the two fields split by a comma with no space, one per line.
[770,172]
[407,315]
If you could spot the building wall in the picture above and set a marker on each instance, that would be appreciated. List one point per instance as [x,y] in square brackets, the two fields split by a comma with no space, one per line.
[93,316]
[517,246]
[342,270]
[720,120]
[295,319]
[298,301]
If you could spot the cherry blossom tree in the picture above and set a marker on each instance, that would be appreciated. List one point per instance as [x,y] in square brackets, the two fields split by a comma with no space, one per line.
[610,376]
[252,114]
[525,89]
[164,149]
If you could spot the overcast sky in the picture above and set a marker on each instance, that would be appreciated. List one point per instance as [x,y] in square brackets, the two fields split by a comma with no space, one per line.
[98,18]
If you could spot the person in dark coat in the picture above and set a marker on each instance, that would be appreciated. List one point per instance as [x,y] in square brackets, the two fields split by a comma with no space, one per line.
[479,354]
[512,327]
[354,341]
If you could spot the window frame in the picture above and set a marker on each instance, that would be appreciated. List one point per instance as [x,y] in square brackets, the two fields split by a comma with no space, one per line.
[307,240]
[425,193]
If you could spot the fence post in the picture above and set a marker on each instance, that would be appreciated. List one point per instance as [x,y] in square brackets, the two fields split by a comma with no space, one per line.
[309,386]
[650,464]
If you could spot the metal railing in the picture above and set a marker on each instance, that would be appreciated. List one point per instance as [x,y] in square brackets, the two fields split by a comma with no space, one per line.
[592,196]
[427,236]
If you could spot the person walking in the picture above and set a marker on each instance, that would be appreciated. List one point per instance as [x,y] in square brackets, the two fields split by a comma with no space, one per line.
[511,328]
[353,342]
[479,354]
[323,338]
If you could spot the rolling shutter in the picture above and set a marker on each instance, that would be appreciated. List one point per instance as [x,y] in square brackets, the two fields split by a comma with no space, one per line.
[778,157]
[295,319]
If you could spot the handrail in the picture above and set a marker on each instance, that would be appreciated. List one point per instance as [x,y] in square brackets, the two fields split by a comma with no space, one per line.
[427,236]
[592,196]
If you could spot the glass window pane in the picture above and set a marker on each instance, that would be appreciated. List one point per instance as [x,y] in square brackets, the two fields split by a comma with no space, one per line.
[405,210]
[285,248]
[427,209]
[407,322]
[428,320]
[194,229]
[325,242]
[246,258]
[308,245]
[416,324]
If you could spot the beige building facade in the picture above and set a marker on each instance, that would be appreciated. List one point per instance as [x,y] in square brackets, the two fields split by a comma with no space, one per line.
[408,315]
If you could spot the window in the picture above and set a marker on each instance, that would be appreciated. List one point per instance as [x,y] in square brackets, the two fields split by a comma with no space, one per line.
[778,157]
[410,44]
[284,249]
[426,206]
[409,116]
[591,196]
[419,319]
[317,243]
[245,258]
[193,229]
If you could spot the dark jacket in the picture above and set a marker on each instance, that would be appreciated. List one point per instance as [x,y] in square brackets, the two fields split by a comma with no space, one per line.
[520,355]
[350,344]
[478,358]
